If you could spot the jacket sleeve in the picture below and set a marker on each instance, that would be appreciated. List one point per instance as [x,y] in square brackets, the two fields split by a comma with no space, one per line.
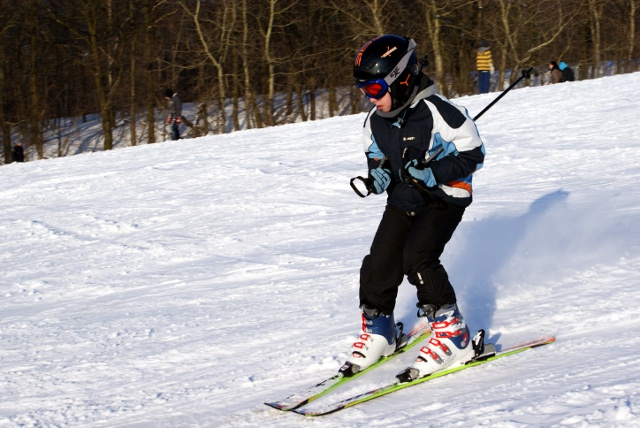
[375,157]
[456,132]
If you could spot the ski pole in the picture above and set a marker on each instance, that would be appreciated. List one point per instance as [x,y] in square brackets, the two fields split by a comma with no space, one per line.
[368,182]
[525,75]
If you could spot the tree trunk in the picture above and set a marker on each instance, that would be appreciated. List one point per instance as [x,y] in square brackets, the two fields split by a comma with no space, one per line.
[132,102]
[150,99]
[595,15]
[35,107]
[633,10]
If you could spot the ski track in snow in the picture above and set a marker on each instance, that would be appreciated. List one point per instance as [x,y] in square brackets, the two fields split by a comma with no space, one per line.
[183,284]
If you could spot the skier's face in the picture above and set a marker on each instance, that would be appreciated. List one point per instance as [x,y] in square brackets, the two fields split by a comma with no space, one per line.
[384,103]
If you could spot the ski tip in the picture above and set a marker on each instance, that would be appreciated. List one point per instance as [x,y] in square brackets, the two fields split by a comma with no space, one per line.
[276,406]
[548,339]
[280,406]
[544,340]
[312,413]
[541,341]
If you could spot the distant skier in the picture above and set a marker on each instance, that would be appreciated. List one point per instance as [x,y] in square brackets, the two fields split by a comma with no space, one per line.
[567,72]
[425,204]
[484,67]
[18,152]
[175,113]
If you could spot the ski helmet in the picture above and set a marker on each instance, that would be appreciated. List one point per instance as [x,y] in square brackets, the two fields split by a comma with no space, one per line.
[387,63]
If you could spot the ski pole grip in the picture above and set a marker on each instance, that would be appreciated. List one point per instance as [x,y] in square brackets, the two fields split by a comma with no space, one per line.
[527,73]
[435,154]
[368,183]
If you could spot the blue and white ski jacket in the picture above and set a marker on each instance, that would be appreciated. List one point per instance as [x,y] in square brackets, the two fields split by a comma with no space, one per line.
[432,121]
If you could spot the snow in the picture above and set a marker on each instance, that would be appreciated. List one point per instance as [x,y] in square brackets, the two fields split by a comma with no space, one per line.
[183,284]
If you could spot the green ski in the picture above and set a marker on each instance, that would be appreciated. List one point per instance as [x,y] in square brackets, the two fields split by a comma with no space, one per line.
[487,356]
[294,401]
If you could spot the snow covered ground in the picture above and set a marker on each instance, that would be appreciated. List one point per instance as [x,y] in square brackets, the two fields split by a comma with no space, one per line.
[183,284]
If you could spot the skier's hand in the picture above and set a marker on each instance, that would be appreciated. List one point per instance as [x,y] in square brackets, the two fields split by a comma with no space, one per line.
[425,175]
[178,120]
[169,120]
[381,178]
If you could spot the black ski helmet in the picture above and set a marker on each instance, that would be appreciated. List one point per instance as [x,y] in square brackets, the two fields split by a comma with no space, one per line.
[391,58]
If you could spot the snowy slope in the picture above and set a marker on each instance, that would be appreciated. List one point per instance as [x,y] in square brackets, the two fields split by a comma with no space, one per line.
[183,284]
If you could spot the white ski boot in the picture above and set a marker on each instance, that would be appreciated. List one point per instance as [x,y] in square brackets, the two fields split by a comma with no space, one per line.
[377,339]
[449,345]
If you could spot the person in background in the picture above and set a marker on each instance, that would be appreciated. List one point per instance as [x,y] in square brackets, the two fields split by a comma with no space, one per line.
[18,152]
[484,67]
[408,122]
[175,112]
[555,73]
[567,72]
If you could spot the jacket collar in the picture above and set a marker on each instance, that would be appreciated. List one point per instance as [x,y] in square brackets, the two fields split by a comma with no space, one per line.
[424,89]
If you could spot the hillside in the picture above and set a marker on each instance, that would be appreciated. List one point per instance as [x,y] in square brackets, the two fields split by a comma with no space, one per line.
[183,284]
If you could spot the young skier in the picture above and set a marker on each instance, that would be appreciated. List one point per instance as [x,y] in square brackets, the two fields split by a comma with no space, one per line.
[409,122]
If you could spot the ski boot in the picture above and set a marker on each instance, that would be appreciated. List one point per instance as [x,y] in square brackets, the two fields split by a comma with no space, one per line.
[377,339]
[449,346]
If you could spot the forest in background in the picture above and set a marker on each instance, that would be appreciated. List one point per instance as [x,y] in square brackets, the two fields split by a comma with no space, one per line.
[62,59]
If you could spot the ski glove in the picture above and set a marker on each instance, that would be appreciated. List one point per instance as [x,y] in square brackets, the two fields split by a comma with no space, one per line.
[381,179]
[423,174]
[169,120]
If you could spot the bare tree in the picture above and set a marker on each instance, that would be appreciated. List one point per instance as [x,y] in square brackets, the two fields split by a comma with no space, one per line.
[634,5]
[595,20]
[9,22]
[368,18]
[100,47]
[440,16]
[271,27]
[215,45]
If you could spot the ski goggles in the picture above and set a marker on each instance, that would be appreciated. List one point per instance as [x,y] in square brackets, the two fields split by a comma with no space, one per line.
[376,88]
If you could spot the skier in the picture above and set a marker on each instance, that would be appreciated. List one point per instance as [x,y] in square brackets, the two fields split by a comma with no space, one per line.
[409,122]
[175,112]
[18,152]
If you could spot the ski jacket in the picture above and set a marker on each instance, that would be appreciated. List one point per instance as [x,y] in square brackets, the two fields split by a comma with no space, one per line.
[430,122]
[484,62]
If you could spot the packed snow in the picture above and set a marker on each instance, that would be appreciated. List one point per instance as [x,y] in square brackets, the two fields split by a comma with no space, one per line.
[183,284]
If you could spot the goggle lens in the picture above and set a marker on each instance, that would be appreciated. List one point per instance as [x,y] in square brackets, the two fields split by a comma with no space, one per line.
[373,88]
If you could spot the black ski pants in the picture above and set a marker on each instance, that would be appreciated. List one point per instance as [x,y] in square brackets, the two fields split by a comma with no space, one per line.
[409,243]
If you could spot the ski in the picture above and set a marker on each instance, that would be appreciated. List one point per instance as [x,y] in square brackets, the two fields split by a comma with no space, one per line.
[487,356]
[294,401]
